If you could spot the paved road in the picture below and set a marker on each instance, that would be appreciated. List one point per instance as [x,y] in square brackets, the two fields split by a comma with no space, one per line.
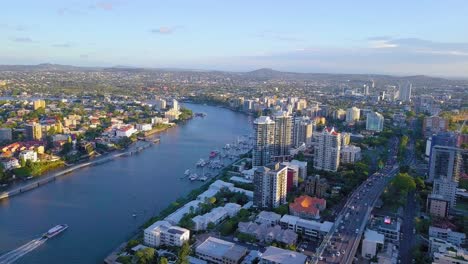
[407,229]
[407,238]
[341,243]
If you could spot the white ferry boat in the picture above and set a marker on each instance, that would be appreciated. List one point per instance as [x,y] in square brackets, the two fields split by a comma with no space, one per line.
[55,231]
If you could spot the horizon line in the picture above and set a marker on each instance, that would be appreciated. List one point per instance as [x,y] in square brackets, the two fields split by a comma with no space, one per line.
[452,77]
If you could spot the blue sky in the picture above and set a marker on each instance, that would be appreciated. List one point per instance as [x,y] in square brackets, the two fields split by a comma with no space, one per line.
[396,37]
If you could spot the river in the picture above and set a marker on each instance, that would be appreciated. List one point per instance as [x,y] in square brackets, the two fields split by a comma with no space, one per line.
[98,202]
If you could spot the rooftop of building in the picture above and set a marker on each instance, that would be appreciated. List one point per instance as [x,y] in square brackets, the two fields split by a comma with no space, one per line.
[387,223]
[280,256]
[263,120]
[374,236]
[330,131]
[167,227]
[307,204]
[269,215]
[310,224]
[220,248]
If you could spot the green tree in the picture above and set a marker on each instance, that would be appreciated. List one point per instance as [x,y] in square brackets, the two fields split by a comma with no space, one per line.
[29,164]
[410,114]
[67,147]
[2,173]
[163,260]
[210,226]
[420,185]
[228,227]
[132,243]
[282,209]
[381,164]
[404,182]
[184,253]
[212,200]
[145,256]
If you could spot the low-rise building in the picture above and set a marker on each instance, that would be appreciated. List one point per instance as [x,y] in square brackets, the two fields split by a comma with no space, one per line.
[269,218]
[350,154]
[267,233]
[28,155]
[388,227]
[444,252]
[216,186]
[438,245]
[175,217]
[216,216]
[389,254]
[274,255]
[309,229]
[455,238]
[125,131]
[163,233]
[6,134]
[159,120]
[451,256]
[144,127]
[10,163]
[307,207]
[219,251]
[371,243]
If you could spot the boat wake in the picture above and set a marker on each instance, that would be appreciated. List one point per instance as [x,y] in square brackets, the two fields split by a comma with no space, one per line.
[14,255]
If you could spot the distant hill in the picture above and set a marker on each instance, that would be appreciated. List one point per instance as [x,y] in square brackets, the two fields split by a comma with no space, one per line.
[259,74]
[44,67]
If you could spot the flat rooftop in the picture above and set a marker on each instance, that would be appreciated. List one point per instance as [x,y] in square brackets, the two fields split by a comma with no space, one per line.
[282,256]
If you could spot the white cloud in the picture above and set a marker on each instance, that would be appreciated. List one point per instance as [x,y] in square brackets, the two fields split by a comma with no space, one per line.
[382,44]
[164,30]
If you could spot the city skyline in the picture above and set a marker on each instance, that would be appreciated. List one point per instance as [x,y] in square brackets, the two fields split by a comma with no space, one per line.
[364,37]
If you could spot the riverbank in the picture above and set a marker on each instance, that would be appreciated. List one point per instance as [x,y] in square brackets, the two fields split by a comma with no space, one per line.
[158,130]
[218,104]
[54,176]
[171,208]
[42,179]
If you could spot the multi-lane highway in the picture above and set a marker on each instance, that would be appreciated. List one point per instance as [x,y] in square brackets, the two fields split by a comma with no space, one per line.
[341,243]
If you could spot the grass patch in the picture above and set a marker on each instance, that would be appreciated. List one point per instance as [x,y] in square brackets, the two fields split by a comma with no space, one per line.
[37,168]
